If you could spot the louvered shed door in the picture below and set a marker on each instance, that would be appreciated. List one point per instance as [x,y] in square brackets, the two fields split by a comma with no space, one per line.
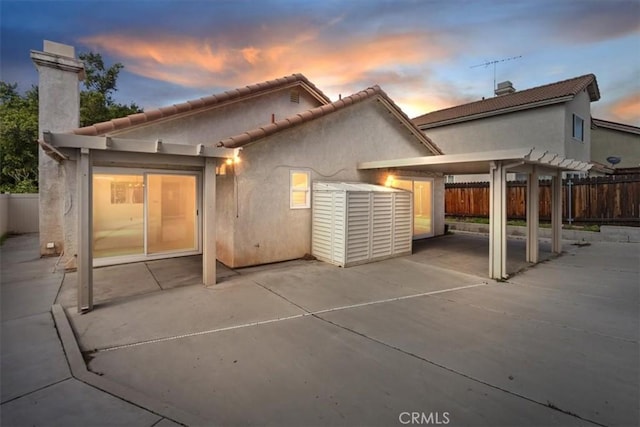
[358,227]
[402,226]
[382,225]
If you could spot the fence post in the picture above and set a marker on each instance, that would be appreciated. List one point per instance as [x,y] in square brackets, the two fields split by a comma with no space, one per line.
[569,199]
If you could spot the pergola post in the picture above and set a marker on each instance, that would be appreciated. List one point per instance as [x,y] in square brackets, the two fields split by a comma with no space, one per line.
[209,224]
[84,259]
[533,209]
[556,213]
[497,221]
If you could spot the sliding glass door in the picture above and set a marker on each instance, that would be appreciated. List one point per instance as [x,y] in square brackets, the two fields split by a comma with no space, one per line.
[144,214]
[422,189]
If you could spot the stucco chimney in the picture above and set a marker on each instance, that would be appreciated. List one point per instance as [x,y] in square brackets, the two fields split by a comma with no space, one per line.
[59,111]
[505,88]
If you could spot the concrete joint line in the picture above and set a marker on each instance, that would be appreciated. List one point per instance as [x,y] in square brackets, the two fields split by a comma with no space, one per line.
[282,319]
[548,405]
[80,372]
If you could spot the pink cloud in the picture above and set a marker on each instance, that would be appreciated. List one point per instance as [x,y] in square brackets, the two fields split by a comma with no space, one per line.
[627,109]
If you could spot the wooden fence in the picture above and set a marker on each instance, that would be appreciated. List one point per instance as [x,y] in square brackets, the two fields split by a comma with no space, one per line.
[604,200]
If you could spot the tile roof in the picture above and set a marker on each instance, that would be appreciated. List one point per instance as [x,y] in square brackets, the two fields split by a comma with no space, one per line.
[519,100]
[622,127]
[309,115]
[200,104]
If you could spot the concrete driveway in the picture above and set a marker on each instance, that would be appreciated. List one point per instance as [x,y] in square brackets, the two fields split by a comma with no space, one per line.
[397,342]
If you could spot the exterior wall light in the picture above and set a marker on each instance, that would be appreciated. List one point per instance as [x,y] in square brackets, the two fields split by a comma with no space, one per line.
[389,181]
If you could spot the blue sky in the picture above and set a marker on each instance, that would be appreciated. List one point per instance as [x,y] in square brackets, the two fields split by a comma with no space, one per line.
[422,53]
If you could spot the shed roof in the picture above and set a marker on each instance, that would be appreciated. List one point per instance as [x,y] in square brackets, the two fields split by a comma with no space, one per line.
[315,113]
[552,93]
[201,104]
[353,186]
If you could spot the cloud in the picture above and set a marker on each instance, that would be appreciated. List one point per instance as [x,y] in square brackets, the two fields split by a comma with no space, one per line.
[627,109]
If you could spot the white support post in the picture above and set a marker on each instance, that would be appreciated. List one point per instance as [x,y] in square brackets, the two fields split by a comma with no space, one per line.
[498,221]
[84,259]
[556,213]
[209,224]
[533,208]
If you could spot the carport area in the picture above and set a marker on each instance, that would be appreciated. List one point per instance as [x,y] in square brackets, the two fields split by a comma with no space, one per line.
[534,163]
[308,343]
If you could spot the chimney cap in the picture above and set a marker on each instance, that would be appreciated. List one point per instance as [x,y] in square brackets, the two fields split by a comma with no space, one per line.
[59,49]
[505,88]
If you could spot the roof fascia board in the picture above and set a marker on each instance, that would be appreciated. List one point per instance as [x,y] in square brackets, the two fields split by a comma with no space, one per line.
[621,127]
[497,112]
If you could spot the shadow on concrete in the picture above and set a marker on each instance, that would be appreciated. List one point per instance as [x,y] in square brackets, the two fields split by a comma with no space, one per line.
[461,252]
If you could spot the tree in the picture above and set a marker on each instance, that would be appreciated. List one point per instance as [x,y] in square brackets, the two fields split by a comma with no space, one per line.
[19,121]
[18,133]
[96,101]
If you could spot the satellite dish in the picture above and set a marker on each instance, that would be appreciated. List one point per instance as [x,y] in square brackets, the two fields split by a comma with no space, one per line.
[614,160]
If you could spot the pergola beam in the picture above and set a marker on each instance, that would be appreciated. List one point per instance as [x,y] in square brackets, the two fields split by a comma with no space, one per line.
[108,143]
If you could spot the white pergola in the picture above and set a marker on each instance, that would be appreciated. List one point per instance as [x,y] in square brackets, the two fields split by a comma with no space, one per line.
[533,162]
[85,148]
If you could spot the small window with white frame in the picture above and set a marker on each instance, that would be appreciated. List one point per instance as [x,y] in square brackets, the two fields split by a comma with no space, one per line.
[300,189]
[578,128]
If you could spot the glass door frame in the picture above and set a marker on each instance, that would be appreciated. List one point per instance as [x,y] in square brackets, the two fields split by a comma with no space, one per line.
[124,259]
[413,180]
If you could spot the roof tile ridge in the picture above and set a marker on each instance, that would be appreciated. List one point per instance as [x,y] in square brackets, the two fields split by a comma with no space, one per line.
[194,104]
[516,93]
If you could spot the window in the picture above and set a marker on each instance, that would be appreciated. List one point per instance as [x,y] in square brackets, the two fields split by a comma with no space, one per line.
[300,183]
[578,128]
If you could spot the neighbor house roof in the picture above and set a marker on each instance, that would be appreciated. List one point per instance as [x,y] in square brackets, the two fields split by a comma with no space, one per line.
[520,100]
[622,127]
[315,113]
[202,104]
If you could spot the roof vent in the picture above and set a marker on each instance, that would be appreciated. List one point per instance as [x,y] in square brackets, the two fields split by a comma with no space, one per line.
[505,88]
[294,96]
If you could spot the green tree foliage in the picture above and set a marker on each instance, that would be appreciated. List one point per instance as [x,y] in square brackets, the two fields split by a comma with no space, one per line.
[19,121]
[18,133]
[96,101]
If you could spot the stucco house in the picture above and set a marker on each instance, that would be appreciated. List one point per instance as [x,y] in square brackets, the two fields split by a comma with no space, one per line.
[555,117]
[231,177]
[611,139]
[228,175]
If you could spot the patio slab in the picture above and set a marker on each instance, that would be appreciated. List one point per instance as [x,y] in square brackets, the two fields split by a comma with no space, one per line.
[553,345]
[72,403]
[308,372]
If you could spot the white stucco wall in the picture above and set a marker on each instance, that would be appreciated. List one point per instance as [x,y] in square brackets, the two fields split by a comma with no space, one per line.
[225,121]
[264,227]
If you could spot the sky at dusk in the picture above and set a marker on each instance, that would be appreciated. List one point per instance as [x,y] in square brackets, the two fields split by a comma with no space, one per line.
[423,53]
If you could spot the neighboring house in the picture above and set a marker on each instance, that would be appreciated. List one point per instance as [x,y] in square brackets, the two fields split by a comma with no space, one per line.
[554,117]
[167,181]
[618,140]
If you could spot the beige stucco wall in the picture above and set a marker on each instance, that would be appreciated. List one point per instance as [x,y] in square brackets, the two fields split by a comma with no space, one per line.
[573,148]
[610,142]
[542,128]
[264,228]
[223,122]
[58,104]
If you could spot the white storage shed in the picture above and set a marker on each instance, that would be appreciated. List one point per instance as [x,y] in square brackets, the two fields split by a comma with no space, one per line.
[357,223]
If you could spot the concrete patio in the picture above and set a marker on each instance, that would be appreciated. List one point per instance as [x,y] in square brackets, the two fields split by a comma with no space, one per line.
[307,343]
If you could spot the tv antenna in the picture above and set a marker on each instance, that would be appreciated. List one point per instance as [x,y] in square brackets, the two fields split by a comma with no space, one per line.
[494,63]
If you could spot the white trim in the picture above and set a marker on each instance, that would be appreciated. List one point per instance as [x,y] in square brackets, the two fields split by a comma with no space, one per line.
[307,204]
[107,143]
[125,259]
